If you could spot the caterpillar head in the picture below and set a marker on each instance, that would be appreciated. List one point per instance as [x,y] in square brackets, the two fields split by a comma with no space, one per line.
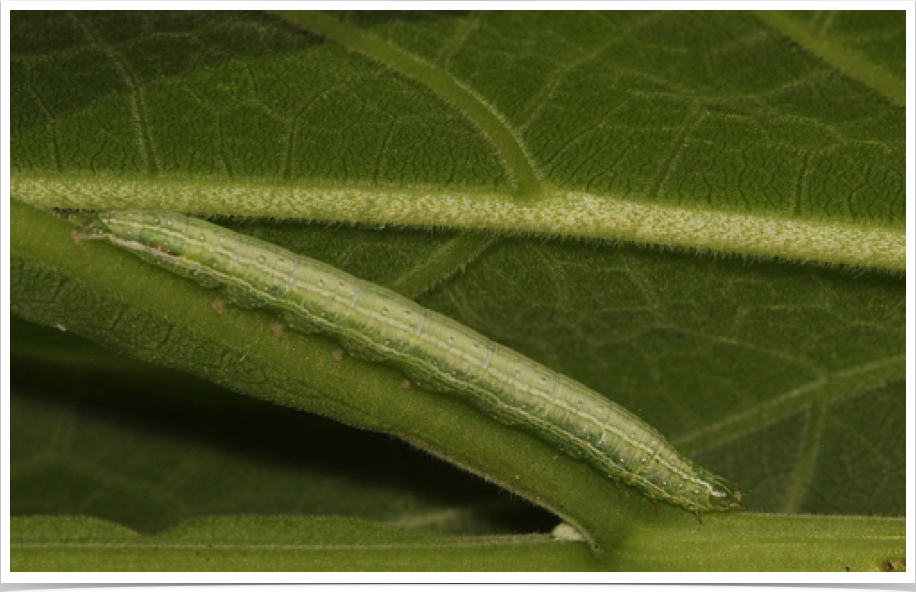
[724,496]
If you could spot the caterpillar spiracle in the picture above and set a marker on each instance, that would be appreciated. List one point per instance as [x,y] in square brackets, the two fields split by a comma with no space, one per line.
[434,351]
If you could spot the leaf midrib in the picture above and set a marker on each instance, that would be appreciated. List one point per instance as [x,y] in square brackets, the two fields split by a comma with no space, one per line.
[557,213]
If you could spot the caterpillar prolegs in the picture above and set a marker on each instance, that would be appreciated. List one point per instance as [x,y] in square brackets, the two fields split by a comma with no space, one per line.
[432,350]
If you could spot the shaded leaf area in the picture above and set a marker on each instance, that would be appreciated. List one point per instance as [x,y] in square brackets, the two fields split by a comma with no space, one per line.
[860,38]
[99,435]
[865,32]
[670,108]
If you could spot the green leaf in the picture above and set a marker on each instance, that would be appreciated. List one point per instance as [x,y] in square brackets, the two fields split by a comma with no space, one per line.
[295,544]
[762,146]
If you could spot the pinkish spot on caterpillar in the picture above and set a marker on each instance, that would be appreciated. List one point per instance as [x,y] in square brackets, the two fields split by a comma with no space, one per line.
[218,306]
[337,354]
[277,330]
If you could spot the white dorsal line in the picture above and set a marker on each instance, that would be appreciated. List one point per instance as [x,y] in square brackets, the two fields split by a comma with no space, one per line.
[431,349]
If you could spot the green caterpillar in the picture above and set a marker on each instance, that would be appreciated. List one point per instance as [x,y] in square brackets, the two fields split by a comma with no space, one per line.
[439,354]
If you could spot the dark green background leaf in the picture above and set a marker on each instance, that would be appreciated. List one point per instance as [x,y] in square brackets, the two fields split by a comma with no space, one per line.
[787,378]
